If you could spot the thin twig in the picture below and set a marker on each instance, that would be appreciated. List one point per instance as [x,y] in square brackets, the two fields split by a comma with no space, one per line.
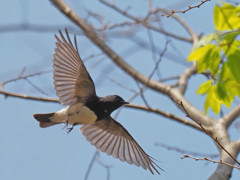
[22,96]
[207,159]
[25,77]
[173,148]
[144,22]
[165,114]
[153,50]
[23,71]
[36,87]
[92,56]
[96,63]
[90,165]
[141,94]
[159,60]
[32,28]
[123,86]
[189,7]
[104,165]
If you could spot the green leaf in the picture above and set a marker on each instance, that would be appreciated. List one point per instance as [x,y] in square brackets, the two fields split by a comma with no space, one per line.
[231,68]
[212,101]
[205,87]
[222,95]
[207,57]
[234,88]
[229,45]
[226,17]
[205,40]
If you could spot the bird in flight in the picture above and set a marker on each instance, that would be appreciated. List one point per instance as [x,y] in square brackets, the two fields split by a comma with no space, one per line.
[75,88]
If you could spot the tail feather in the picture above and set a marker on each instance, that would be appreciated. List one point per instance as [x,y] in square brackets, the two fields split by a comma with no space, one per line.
[44,120]
[47,124]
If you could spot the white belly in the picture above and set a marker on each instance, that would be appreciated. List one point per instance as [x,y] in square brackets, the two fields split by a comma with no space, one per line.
[80,114]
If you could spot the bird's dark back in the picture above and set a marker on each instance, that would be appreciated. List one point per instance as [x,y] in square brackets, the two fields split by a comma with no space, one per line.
[103,106]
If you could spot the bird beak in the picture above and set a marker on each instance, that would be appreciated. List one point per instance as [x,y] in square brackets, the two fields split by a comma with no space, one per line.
[124,102]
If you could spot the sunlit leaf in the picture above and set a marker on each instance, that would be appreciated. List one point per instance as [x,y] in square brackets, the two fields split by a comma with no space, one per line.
[205,87]
[234,88]
[207,57]
[231,68]
[222,94]
[212,101]
[205,40]
[226,17]
[229,43]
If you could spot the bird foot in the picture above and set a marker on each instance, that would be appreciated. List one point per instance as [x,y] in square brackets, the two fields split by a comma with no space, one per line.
[65,125]
[70,129]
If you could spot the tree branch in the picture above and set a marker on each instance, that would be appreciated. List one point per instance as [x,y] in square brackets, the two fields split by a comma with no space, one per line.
[207,159]
[231,116]
[210,134]
[144,22]
[182,22]
[183,80]
[173,148]
[22,96]
[165,114]
[189,7]
[90,165]
[24,77]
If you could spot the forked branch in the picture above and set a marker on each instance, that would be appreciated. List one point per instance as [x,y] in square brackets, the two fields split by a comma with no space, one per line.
[207,132]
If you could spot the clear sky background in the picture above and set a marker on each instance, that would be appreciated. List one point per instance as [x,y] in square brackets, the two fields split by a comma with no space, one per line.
[28,152]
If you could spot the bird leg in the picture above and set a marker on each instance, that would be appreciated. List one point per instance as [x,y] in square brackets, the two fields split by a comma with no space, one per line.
[71,128]
[65,125]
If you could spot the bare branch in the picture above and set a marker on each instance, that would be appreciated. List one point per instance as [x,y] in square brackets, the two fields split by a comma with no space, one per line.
[22,96]
[32,27]
[159,60]
[189,7]
[90,165]
[96,63]
[103,165]
[207,159]
[123,86]
[183,23]
[24,77]
[169,78]
[183,80]
[165,114]
[36,87]
[92,56]
[144,22]
[231,116]
[142,96]
[185,151]
[208,133]
[153,50]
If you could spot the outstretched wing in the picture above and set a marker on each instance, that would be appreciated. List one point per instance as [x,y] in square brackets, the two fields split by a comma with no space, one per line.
[111,137]
[71,79]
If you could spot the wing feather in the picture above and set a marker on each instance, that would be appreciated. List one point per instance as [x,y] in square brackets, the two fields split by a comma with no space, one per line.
[71,79]
[112,138]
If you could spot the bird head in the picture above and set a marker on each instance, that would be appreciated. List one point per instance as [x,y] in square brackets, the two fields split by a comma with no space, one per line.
[113,102]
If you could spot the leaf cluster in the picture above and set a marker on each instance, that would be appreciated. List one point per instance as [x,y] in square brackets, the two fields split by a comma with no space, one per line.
[218,56]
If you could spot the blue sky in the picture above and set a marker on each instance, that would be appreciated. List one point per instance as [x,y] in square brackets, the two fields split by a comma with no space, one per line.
[29,152]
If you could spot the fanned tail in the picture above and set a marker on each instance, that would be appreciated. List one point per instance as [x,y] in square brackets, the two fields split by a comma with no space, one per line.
[44,120]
